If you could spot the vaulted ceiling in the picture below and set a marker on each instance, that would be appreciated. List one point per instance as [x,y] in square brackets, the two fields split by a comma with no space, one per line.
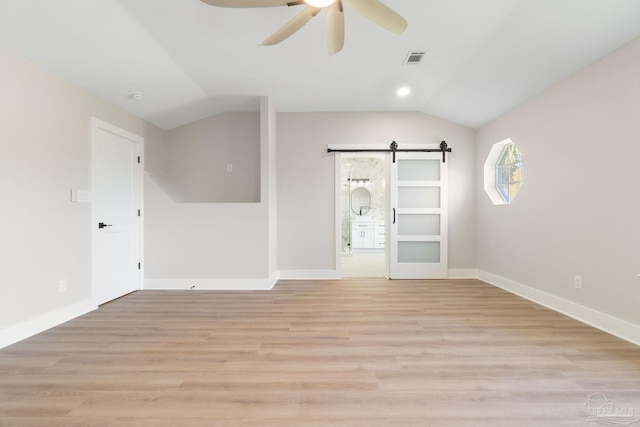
[191,60]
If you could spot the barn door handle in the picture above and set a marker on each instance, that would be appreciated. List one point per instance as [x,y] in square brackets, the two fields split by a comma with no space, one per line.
[103,225]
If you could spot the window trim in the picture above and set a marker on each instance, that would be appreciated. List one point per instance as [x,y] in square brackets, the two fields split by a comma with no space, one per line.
[490,172]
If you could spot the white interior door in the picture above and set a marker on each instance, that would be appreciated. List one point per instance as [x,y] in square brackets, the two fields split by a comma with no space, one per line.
[116,231]
[418,222]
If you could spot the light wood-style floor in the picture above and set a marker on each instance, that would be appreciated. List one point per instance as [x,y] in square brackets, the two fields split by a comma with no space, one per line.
[351,353]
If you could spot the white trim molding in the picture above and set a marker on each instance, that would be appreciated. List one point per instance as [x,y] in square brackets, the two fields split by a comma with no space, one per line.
[309,275]
[620,328]
[612,325]
[24,330]
[210,284]
[489,181]
[463,273]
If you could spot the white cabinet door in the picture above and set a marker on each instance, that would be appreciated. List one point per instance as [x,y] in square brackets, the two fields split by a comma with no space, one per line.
[362,235]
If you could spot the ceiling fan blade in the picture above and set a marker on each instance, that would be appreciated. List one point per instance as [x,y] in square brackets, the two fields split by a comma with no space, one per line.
[335,28]
[292,26]
[247,3]
[380,14]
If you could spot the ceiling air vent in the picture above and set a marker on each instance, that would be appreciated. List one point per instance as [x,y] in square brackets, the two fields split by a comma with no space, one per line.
[414,57]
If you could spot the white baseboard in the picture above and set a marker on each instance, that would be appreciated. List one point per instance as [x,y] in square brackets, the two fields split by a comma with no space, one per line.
[463,273]
[210,284]
[309,275]
[605,322]
[24,330]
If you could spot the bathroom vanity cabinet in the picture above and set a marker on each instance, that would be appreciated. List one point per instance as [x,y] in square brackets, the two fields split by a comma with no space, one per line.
[367,235]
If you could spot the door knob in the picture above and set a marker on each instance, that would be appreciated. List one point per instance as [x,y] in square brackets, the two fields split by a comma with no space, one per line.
[103,225]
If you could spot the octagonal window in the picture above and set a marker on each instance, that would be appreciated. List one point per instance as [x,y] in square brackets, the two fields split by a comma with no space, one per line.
[503,172]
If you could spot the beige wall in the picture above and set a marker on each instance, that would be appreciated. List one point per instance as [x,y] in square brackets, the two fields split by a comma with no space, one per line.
[204,241]
[199,153]
[191,243]
[44,153]
[576,214]
[205,244]
[578,210]
[306,180]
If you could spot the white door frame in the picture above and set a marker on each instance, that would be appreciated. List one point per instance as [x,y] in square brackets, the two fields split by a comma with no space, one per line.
[338,199]
[337,158]
[98,125]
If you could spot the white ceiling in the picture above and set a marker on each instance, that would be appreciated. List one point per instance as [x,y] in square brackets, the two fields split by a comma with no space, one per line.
[192,60]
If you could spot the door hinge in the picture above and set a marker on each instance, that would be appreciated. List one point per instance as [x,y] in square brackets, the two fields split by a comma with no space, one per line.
[138,266]
[138,159]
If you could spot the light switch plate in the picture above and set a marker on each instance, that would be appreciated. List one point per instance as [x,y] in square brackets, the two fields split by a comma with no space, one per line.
[80,196]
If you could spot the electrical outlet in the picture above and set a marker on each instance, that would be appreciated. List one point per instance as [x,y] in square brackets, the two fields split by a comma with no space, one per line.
[577,282]
[229,167]
[62,285]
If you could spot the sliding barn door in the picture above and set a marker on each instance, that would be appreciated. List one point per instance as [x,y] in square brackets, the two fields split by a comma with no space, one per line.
[418,223]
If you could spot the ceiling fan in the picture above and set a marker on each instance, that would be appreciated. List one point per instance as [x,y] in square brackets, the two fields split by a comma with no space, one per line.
[372,9]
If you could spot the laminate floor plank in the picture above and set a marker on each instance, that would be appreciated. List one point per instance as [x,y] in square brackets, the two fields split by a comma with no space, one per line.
[352,353]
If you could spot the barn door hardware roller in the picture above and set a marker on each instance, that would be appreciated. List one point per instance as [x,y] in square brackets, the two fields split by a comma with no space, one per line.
[393,149]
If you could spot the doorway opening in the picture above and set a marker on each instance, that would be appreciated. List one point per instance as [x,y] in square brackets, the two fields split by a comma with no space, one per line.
[363,186]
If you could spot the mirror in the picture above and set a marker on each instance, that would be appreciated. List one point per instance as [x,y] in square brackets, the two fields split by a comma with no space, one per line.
[360,200]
